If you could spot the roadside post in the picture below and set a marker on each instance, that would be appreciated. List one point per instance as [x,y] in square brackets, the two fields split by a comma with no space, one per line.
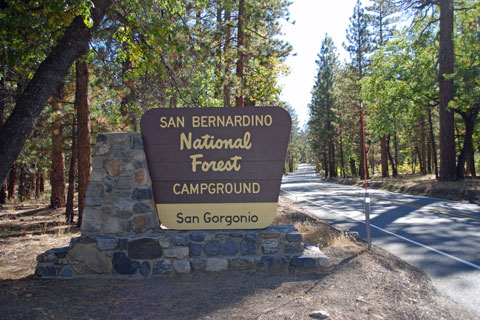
[366,199]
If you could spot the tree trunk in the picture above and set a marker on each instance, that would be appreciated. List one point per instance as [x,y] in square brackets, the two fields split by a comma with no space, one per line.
[469,119]
[384,156]
[71,174]
[342,162]
[241,54]
[227,85]
[83,142]
[331,159]
[49,75]
[423,147]
[353,167]
[471,162]
[37,184]
[429,158]
[392,162]
[57,174]
[432,140]
[448,170]
[3,188]
[12,180]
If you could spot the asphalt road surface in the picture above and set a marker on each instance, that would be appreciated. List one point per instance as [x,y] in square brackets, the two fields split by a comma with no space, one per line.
[441,237]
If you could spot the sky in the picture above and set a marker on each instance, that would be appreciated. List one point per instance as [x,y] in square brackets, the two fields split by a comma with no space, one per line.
[313,19]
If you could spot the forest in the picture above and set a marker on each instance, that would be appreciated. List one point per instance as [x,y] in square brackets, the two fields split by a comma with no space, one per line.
[71,69]
[414,78]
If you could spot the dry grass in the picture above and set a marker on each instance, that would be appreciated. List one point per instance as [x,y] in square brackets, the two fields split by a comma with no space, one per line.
[27,231]
[313,230]
[467,190]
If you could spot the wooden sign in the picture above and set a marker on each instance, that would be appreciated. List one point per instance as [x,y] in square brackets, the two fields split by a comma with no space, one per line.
[216,168]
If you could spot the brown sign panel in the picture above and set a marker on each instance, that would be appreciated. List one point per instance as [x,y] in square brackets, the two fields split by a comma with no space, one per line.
[216,168]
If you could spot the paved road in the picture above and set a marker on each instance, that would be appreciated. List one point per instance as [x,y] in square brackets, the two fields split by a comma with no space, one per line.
[439,236]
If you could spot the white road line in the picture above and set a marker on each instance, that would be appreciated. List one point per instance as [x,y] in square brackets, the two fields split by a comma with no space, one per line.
[473,265]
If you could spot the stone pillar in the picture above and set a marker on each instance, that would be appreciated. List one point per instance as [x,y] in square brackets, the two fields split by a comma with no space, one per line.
[119,196]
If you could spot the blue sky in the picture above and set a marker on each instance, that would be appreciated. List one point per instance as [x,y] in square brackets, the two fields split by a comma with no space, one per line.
[313,19]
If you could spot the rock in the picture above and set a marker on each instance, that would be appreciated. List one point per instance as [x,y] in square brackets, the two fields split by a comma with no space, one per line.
[293,248]
[270,246]
[97,162]
[212,248]
[114,167]
[319,314]
[123,204]
[113,226]
[93,202]
[95,190]
[141,177]
[181,266]
[123,265]
[176,252]
[243,263]
[198,264]
[195,249]
[303,262]
[249,245]
[196,236]
[137,142]
[145,269]
[46,271]
[179,240]
[104,244]
[66,272]
[162,267]
[294,237]
[272,264]
[141,223]
[92,220]
[123,184]
[140,194]
[87,259]
[145,248]
[141,207]
[98,175]
[216,264]
[230,247]
[101,149]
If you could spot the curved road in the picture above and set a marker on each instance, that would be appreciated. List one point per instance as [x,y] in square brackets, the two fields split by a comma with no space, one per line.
[438,236]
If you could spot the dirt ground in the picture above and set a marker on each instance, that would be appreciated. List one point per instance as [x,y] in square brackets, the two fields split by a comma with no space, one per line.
[360,285]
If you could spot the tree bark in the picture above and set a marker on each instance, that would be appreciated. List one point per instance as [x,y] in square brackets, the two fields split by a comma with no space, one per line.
[83,140]
[49,75]
[384,156]
[469,119]
[241,55]
[57,173]
[71,174]
[331,159]
[470,170]
[448,170]
[392,162]
[423,148]
[227,85]
[12,180]
[432,140]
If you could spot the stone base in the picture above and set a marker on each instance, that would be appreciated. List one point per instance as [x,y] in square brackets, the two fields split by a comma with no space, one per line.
[274,250]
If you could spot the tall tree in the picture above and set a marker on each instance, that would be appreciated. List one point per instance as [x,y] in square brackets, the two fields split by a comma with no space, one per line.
[83,136]
[359,46]
[46,79]
[382,19]
[322,113]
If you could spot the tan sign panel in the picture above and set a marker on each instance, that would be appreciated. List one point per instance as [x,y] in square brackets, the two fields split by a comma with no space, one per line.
[216,168]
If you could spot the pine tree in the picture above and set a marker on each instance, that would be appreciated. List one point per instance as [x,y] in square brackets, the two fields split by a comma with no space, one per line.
[360,47]
[322,106]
